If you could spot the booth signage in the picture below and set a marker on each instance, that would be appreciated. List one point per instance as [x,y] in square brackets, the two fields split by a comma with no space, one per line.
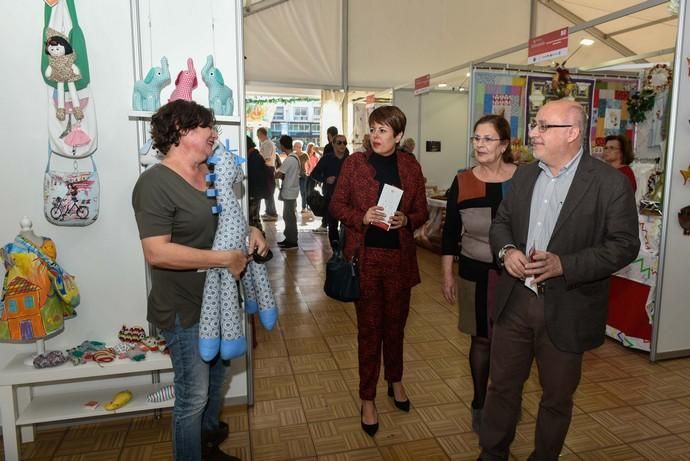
[422,84]
[548,46]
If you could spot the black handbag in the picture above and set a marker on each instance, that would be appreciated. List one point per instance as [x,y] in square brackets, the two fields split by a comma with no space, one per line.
[342,276]
[318,204]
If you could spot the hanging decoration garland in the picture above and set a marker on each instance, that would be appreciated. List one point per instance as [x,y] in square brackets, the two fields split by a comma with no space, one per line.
[639,103]
[657,80]
[289,100]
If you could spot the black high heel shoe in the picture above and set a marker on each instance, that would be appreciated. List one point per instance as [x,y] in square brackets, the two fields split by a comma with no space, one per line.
[403,405]
[370,429]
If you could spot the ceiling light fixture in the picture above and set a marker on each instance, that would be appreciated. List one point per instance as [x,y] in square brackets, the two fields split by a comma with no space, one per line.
[442,85]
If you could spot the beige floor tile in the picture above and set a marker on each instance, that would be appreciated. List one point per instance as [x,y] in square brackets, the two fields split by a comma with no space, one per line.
[450,367]
[339,435]
[670,414]
[586,434]
[276,413]
[460,447]
[334,405]
[281,443]
[342,342]
[237,418]
[301,331]
[100,455]
[420,334]
[275,366]
[338,328]
[153,452]
[429,393]
[367,454]
[523,445]
[619,453]
[664,448]
[104,437]
[337,315]
[599,370]
[304,346]
[448,419]
[676,364]
[148,430]
[270,349]
[346,359]
[238,444]
[321,382]
[592,397]
[275,388]
[43,447]
[628,424]
[311,363]
[420,450]
[434,349]
[419,370]
[398,427]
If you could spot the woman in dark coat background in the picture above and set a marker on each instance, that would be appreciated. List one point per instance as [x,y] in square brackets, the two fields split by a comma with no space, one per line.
[387,258]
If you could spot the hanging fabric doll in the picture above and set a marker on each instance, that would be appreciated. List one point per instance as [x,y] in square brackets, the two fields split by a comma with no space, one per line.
[63,70]
[37,294]
[220,326]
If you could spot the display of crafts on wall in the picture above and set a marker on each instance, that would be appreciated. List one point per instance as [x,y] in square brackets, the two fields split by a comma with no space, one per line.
[37,294]
[65,69]
[540,90]
[503,94]
[146,92]
[610,114]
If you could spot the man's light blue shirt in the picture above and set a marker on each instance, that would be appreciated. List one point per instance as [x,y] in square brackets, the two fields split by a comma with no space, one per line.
[547,200]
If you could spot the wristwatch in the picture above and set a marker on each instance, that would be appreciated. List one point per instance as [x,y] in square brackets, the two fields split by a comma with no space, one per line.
[502,253]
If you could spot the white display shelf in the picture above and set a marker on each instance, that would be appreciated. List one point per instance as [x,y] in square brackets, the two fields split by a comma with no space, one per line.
[20,410]
[16,373]
[71,405]
[220,119]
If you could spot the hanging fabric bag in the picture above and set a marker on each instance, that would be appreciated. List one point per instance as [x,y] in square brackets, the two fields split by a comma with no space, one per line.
[71,198]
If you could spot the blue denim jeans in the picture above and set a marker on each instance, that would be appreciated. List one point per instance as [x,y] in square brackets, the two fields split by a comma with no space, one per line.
[199,392]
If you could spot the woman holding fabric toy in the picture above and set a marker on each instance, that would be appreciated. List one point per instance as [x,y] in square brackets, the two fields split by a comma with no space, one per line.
[473,200]
[177,228]
[387,258]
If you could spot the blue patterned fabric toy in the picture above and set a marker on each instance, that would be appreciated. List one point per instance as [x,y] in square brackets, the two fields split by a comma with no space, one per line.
[220,326]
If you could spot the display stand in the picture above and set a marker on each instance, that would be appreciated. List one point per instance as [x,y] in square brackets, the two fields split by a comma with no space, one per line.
[19,408]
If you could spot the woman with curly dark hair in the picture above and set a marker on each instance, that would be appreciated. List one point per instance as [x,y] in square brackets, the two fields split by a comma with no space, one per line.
[619,154]
[177,228]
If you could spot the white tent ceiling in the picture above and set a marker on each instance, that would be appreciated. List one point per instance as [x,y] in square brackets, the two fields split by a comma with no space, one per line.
[390,42]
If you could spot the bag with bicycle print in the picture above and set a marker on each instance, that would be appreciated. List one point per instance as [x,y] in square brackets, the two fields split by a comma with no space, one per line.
[71,198]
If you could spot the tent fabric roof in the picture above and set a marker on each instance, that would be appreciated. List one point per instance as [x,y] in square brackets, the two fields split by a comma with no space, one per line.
[390,42]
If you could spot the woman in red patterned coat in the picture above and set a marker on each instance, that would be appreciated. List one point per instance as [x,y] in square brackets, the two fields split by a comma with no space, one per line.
[387,258]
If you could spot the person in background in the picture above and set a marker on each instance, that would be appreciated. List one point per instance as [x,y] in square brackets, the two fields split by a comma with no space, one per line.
[268,152]
[303,158]
[387,255]
[327,172]
[568,223]
[177,228]
[313,158]
[473,199]
[256,179]
[331,133]
[408,145]
[618,153]
[289,191]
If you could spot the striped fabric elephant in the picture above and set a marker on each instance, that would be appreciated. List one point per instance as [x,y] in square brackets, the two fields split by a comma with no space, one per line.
[220,326]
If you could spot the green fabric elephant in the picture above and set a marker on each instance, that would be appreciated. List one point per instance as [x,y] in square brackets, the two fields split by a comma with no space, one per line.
[147,92]
[219,96]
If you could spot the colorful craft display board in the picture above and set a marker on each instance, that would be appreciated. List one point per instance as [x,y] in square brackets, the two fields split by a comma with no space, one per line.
[503,94]
[541,85]
[610,112]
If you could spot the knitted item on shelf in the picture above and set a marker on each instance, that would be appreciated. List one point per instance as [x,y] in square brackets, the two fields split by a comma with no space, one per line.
[161,395]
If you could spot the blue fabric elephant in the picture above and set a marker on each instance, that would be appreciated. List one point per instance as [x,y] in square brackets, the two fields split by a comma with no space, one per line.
[219,95]
[147,92]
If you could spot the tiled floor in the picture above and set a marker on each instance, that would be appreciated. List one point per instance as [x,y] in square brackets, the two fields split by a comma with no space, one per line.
[307,406]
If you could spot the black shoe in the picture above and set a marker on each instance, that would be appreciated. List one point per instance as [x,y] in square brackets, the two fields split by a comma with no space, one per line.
[400,405]
[217,436]
[285,245]
[370,429]
[216,454]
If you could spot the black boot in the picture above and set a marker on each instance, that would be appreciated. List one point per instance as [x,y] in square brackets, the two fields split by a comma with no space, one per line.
[211,441]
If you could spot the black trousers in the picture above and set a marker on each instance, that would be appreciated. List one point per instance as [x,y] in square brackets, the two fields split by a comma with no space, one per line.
[519,336]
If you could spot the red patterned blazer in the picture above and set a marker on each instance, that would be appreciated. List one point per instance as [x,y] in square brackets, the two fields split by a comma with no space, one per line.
[357,191]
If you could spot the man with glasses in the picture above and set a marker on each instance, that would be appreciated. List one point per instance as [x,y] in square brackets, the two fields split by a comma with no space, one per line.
[569,222]
[327,172]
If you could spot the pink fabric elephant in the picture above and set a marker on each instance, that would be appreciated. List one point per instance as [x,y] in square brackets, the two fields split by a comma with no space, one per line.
[185,83]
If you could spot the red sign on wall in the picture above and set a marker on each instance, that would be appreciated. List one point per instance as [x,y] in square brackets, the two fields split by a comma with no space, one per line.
[422,84]
[548,46]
